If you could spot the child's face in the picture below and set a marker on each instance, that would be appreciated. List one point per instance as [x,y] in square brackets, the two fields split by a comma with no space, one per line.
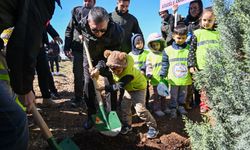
[207,20]
[156,45]
[116,70]
[139,44]
[179,39]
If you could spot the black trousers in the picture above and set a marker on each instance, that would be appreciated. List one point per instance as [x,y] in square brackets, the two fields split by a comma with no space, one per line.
[45,78]
[78,73]
[54,60]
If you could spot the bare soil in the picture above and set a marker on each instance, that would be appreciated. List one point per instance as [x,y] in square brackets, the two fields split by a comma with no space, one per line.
[66,121]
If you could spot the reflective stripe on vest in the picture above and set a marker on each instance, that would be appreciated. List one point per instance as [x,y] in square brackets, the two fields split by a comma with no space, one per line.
[178,73]
[139,60]
[3,73]
[156,61]
[206,39]
[138,83]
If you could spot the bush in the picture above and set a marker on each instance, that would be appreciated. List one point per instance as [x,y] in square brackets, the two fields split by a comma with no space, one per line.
[227,80]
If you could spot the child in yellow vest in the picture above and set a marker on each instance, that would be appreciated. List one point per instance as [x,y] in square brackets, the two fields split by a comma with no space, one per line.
[156,44]
[174,66]
[139,55]
[204,38]
[130,79]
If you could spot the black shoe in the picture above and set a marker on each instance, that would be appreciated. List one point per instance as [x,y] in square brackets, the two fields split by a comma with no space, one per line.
[55,95]
[76,102]
[88,124]
[126,130]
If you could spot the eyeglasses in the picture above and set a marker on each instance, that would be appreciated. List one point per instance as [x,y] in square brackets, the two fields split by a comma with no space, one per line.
[98,30]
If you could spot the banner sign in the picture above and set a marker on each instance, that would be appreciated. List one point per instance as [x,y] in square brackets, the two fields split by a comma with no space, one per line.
[168,4]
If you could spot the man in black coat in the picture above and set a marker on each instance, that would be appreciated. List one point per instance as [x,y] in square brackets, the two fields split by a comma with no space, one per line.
[100,33]
[29,18]
[73,47]
[127,21]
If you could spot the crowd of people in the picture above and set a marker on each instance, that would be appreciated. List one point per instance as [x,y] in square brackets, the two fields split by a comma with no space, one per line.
[117,51]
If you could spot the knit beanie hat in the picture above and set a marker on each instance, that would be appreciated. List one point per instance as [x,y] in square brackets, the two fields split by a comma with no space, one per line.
[115,58]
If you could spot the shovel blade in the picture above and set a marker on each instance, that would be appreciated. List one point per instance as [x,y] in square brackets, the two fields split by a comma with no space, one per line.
[111,127]
[68,144]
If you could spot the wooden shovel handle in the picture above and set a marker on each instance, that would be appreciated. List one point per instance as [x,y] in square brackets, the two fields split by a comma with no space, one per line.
[98,94]
[40,122]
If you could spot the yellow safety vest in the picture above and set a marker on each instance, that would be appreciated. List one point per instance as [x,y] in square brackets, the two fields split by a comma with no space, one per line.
[178,73]
[139,60]
[5,77]
[156,61]
[139,82]
[206,39]
[6,33]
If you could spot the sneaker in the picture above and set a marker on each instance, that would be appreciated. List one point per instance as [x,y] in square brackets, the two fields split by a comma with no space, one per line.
[52,73]
[159,113]
[49,102]
[152,133]
[76,102]
[167,111]
[126,129]
[182,110]
[88,124]
[57,73]
[173,113]
[55,95]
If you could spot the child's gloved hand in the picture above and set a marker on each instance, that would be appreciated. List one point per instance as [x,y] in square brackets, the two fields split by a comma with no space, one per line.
[94,73]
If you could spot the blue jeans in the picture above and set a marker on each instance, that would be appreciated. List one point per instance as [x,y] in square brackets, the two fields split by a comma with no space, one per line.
[13,121]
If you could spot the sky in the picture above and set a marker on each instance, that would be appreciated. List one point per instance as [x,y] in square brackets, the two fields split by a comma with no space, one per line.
[146,12]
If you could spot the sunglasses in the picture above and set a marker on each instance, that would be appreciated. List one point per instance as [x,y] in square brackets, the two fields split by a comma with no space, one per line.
[98,30]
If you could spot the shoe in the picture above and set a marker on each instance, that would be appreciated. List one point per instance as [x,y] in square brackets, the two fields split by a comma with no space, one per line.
[126,129]
[55,95]
[88,124]
[182,110]
[49,102]
[173,113]
[167,111]
[57,73]
[159,113]
[76,102]
[152,133]
[52,73]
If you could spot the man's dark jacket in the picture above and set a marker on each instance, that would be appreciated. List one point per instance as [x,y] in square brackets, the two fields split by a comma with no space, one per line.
[130,25]
[72,40]
[29,18]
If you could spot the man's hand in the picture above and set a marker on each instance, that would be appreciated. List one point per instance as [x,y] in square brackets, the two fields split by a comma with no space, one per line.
[100,88]
[27,100]
[58,40]
[193,70]
[94,73]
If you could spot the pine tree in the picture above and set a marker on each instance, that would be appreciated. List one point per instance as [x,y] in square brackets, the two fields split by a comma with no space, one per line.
[227,80]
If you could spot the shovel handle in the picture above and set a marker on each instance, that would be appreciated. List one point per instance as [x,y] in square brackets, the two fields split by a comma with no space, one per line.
[98,94]
[40,122]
